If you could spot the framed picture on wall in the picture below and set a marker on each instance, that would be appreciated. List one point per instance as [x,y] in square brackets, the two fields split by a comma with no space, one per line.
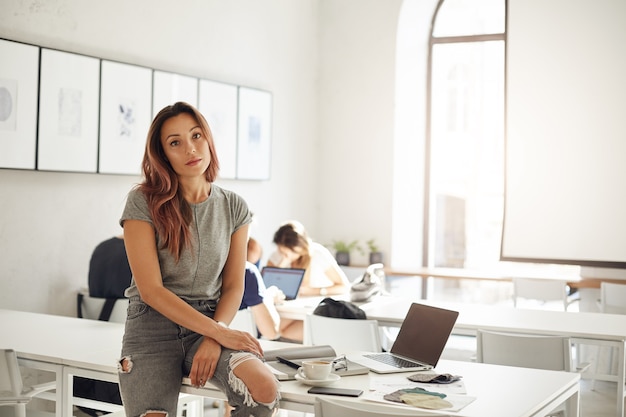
[218,103]
[19,85]
[125,116]
[254,128]
[68,116]
[170,87]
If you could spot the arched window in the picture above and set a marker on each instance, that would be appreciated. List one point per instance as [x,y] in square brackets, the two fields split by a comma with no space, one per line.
[448,200]
[464,185]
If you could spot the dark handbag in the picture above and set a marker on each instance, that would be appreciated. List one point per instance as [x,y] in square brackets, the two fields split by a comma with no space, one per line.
[339,309]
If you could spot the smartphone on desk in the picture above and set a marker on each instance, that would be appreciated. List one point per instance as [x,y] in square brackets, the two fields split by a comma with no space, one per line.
[346,392]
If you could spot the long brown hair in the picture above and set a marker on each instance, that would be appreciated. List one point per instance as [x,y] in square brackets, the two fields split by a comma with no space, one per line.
[171,214]
[292,235]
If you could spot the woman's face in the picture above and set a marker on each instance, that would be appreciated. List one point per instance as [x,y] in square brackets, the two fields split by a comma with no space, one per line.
[185,146]
[290,254]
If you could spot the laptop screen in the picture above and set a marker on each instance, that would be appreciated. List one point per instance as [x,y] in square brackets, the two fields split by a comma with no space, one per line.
[424,333]
[288,280]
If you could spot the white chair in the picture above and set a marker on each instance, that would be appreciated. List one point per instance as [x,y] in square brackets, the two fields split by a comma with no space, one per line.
[542,290]
[12,390]
[244,321]
[326,407]
[91,307]
[612,298]
[344,335]
[527,351]
[612,301]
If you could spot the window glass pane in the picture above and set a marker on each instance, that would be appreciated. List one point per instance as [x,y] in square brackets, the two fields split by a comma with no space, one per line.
[467,151]
[469,17]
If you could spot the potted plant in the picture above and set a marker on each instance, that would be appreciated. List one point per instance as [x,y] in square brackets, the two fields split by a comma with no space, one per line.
[343,249]
[376,256]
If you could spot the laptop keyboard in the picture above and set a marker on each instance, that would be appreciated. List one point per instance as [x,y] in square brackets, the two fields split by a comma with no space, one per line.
[392,360]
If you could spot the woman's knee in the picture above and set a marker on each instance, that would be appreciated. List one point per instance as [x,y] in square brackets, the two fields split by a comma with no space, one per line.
[264,389]
[259,380]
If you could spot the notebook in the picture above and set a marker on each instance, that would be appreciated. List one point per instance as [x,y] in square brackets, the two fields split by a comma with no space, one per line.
[284,362]
[420,342]
[288,280]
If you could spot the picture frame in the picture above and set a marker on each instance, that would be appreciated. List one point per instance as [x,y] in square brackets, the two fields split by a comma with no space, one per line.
[218,104]
[169,87]
[125,117]
[68,116]
[19,89]
[254,128]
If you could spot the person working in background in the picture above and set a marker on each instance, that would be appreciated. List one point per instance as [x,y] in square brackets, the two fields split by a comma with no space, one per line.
[255,252]
[322,277]
[261,301]
[295,249]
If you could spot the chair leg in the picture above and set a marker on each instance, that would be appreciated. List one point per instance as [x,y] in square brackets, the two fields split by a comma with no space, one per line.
[20,410]
[611,358]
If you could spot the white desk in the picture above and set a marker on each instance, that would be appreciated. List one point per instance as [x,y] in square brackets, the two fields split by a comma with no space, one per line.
[583,328]
[427,274]
[88,348]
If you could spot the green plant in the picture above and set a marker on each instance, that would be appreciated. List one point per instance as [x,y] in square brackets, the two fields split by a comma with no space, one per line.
[372,246]
[343,246]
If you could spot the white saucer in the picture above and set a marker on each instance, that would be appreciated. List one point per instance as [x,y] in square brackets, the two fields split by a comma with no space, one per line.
[319,382]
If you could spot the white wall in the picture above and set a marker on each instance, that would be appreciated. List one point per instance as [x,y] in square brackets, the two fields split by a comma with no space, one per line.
[50,222]
[356,120]
[329,65]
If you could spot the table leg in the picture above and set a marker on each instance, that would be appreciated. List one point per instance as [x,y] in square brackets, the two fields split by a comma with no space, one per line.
[67,391]
[425,282]
[621,378]
[573,405]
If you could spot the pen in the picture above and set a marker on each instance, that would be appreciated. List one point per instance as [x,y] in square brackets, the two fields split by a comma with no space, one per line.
[287,362]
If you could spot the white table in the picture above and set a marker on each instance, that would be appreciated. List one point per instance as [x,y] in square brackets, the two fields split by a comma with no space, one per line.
[427,274]
[582,328]
[71,346]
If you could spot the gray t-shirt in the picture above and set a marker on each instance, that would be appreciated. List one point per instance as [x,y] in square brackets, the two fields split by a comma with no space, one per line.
[198,273]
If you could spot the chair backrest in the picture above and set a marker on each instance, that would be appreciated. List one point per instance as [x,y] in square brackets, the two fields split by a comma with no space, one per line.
[326,407]
[344,335]
[612,298]
[540,289]
[244,321]
[91,307]
[10,376]
[524,350]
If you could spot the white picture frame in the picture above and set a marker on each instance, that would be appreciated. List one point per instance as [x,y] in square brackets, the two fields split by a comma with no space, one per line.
[68,117]
[218,104]
[125,117]
[19,89]
[254,129]
[169,87]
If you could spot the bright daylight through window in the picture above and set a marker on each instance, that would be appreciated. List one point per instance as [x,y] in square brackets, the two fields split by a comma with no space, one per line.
[466,136]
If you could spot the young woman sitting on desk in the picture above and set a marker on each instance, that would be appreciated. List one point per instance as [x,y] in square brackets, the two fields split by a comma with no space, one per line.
[186,244]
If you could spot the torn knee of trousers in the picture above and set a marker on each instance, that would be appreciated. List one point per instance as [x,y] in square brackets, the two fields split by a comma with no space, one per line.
[125,365]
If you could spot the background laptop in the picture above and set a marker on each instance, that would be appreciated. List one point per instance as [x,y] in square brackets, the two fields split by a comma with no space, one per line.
[420,342]
[288,280]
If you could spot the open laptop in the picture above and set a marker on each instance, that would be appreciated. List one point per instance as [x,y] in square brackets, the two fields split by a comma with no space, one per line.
[419,344]
[288,280]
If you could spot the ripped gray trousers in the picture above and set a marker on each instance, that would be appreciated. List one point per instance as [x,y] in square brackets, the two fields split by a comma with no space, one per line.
[159,353]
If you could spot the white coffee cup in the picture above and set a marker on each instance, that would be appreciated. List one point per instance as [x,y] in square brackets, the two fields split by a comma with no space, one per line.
[315,370]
